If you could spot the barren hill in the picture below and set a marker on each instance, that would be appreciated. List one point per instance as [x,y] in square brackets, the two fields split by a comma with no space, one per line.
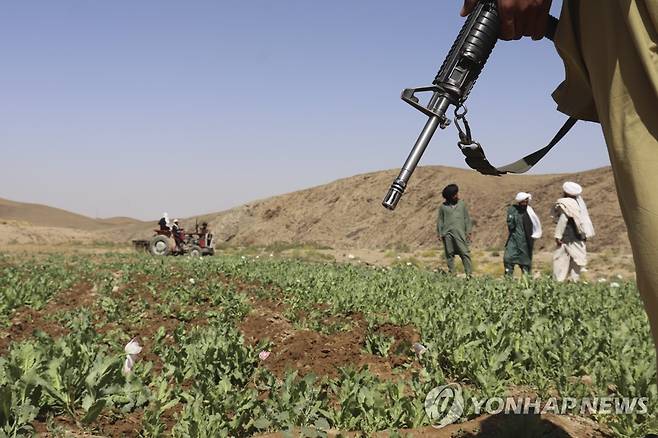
[348,214]
[45,216]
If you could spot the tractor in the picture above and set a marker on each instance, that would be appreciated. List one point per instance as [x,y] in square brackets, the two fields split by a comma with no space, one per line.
[194,244]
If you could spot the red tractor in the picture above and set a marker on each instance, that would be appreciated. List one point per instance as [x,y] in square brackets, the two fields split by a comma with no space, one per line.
[196,244]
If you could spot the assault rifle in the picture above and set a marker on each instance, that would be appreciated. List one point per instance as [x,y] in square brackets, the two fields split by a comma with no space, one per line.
[451,87]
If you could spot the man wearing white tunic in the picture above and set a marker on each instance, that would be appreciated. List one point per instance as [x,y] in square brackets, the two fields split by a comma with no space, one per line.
[573,228]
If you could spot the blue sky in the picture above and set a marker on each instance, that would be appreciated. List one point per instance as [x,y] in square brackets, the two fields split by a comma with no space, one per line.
[130,108]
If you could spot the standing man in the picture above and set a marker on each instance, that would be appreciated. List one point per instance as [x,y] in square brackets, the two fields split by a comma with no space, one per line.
[574,227]
[524,227]
[454,228]
[205,236]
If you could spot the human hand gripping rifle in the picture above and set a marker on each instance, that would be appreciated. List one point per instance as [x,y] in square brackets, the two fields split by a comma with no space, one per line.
[451,87]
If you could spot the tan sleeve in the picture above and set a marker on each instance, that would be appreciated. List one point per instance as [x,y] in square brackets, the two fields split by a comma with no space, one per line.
[574,95]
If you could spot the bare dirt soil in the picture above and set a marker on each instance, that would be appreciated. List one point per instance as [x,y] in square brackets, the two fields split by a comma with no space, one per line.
[308,351]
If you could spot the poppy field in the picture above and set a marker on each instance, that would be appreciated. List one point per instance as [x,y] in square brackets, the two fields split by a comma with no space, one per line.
[237,345]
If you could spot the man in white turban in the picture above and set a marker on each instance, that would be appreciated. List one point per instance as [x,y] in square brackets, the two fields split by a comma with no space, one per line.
[573,228]
[524,227]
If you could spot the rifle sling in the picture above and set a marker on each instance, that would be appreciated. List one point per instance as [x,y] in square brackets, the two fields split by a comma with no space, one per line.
[476,158]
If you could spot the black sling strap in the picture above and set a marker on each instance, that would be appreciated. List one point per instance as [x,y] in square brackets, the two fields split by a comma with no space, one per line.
[475,157]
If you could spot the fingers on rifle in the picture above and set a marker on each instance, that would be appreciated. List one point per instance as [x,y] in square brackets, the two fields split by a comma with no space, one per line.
[519,18]
[506,12]
[539,29]
[528,17]
[522,19]
[542,23]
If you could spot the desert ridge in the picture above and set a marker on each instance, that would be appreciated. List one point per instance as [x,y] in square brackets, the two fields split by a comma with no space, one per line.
[347,213]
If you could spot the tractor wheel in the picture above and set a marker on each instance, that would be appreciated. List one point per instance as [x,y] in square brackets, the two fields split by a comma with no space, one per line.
[159,246]
[195,251]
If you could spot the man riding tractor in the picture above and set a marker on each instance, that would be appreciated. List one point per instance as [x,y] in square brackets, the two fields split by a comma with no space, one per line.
[174,240]
[178,234]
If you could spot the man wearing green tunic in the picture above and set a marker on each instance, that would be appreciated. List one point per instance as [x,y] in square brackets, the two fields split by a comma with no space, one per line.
[522,224]
[454,227]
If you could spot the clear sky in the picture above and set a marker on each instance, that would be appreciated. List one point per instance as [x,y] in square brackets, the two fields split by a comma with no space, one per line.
[123,107]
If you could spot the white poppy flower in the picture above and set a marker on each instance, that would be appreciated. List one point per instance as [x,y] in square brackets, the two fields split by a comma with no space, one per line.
[132,349]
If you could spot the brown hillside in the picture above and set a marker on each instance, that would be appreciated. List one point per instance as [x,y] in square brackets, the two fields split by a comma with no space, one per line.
[44,216]
[347,213]
[30,236]
[119,221]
